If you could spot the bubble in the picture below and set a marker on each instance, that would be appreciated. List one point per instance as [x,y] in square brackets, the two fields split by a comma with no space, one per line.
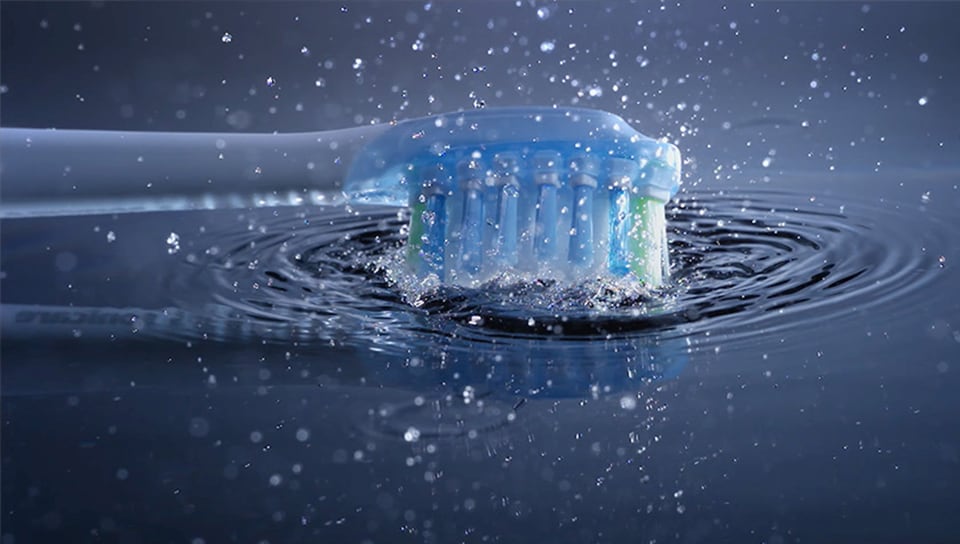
[547,46]
[924,57]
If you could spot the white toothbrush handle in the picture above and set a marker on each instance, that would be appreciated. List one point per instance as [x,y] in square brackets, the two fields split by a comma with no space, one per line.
[66,172]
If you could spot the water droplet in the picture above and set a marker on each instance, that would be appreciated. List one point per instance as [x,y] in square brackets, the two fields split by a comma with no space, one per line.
[226,38]
[173,243]
[111,237]
[271,82]
[412,434]
[922,101]
[547,46]
[199,427]
[924,57]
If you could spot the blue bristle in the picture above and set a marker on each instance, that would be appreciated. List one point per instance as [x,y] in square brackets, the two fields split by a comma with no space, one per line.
[546,226]
[581,237]
[619,227]
[621,174]
[471,237]
[435,182]
[434,243]
[546,175]
[583,178]
[508,197]
[471,232]
[506,248]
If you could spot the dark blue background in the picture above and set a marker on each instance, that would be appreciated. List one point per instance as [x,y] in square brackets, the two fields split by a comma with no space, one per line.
[841,429]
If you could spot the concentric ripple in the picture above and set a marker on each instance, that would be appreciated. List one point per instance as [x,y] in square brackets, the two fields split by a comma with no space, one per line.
[741,265]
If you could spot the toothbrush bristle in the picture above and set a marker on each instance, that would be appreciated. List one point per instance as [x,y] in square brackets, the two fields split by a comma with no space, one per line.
[543,214]
[563,193]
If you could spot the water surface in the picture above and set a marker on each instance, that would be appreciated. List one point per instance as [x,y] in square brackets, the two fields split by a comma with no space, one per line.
[801,360]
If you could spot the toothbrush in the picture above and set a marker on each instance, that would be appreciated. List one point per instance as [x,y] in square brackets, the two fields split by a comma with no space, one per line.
[566,192]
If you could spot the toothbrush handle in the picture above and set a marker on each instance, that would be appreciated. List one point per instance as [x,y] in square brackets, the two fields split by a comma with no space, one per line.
[67,172]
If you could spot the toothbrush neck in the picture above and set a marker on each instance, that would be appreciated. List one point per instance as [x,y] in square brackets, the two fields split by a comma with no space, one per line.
[66,172]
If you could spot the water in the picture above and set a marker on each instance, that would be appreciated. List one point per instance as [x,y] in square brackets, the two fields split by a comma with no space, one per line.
[802,357]
[275,375]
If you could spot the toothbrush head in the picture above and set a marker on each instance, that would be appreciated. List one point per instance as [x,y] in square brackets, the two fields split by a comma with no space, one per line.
[562,192]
